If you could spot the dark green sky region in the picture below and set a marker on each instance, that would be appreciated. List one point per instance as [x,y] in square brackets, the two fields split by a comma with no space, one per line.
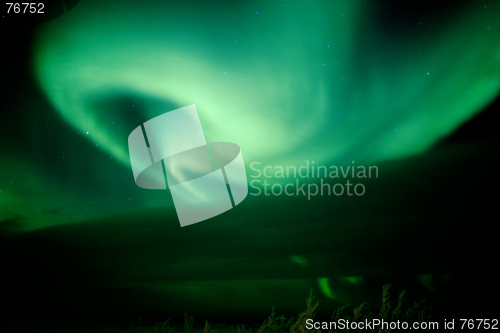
[411,90]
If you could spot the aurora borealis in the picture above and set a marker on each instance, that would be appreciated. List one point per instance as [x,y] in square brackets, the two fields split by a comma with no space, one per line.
[294,88]
[334,82]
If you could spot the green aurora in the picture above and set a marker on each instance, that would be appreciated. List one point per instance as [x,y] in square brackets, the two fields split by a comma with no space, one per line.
[318,81]
[325,81]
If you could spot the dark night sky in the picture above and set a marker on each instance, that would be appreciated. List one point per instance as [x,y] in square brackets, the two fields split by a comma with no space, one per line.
[80,240]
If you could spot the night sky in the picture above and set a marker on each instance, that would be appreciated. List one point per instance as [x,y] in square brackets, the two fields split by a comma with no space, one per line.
[412,90]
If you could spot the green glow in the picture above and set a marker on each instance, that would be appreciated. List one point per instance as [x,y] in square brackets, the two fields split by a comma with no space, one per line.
[324,83]
[325,288]
[343,285]
[305,91]
[300,260]
[427,281]
[33,201]
[354,280]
